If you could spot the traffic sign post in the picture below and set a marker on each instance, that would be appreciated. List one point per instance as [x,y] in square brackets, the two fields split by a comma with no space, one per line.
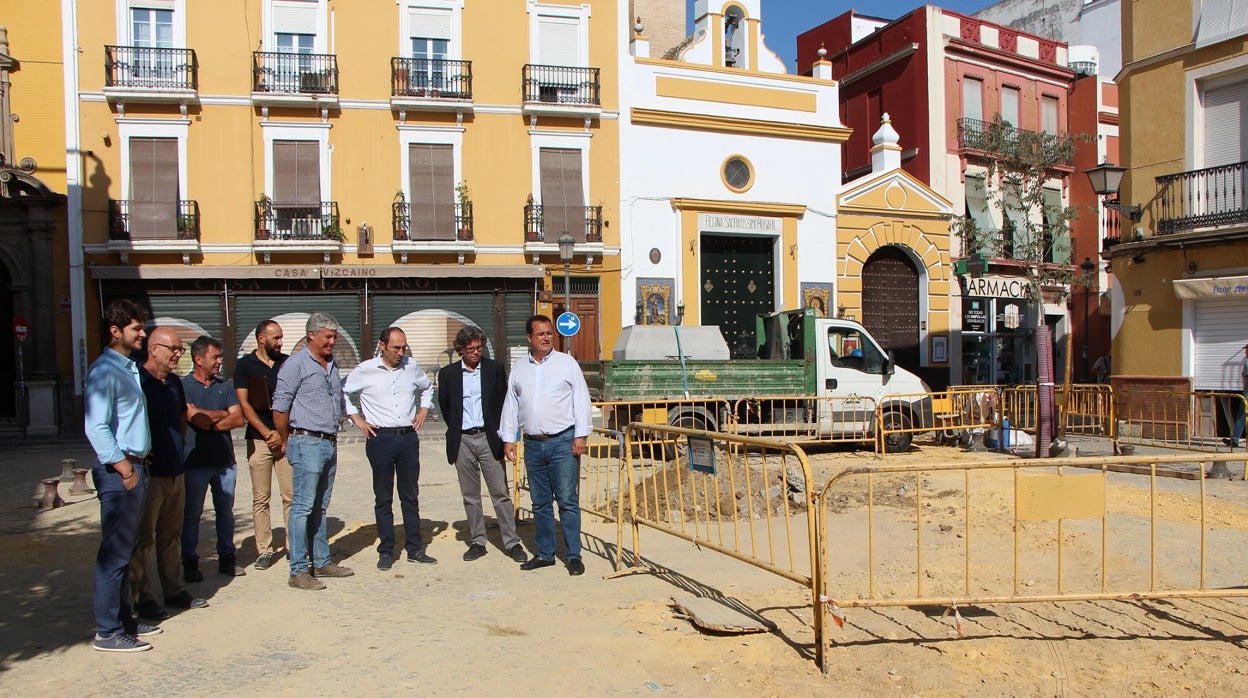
[20,331]
[568,324]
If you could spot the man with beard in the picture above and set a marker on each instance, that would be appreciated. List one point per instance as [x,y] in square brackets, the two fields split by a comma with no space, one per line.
[255,379]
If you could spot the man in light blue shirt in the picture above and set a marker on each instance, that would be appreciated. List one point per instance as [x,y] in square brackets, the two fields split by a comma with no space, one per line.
[116,425]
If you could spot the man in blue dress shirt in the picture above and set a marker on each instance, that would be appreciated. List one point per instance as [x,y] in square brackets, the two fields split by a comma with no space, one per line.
[116,425]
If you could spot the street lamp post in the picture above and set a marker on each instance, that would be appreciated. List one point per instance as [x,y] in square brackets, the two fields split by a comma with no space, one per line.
[567,248]
[1087,267]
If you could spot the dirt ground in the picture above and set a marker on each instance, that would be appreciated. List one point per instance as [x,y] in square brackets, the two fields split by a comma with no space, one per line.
[460,628]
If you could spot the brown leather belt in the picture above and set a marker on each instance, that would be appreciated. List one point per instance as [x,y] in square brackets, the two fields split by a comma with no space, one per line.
[332,438]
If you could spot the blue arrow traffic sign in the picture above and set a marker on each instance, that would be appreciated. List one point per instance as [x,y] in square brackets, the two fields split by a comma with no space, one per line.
[568,324]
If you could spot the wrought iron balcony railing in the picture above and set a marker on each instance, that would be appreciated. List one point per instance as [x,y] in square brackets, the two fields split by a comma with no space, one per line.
[1004,244]
[537,218]
[431,230]
[153,220]
[555,84]
[427,78]
[988,137]
[306,222]
[149,68]
[295,73]
[1205,198]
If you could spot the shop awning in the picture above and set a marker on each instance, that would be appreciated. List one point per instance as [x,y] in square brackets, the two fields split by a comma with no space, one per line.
[333,271]
[1212,287]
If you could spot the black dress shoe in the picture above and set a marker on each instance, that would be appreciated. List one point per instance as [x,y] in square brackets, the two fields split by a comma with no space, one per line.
[150,610]
[422,557]
[190,571]
[516,552]
[229,567]
[385,561]
[536,563]
[185,600]
[476,551]
[575,567]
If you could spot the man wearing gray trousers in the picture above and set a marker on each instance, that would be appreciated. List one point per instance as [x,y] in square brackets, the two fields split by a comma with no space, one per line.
[470,394]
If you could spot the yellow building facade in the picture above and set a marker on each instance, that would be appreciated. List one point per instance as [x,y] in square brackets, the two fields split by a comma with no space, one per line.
[409,163]
[1182,261]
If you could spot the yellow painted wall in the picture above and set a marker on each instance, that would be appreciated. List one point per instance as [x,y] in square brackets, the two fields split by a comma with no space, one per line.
[226,156]
[36,99]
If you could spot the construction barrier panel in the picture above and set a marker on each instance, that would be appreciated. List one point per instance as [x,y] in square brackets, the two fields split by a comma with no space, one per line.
[745,497]
[1082,408]
[805,419]
[951,414]
[1175,419]
[967,534]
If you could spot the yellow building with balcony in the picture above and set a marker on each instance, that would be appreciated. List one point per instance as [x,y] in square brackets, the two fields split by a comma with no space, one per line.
[409,163]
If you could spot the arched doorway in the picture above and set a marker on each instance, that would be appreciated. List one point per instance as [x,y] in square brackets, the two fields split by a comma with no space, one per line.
[8,350]
[890,303]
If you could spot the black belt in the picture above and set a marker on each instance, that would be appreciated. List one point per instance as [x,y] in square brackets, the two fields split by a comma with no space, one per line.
[399,431]
[543,437]
[332,438]
[473,431]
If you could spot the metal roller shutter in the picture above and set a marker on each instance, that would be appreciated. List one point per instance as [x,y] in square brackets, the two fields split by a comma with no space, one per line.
[1218,344]
[190,315]
[432,320]
[291,312]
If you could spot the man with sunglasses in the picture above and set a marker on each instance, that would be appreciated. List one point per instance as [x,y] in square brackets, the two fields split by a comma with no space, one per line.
[470,394]
[387,387]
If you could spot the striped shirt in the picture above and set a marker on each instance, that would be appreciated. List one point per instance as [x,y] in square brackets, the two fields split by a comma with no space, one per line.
[310,393]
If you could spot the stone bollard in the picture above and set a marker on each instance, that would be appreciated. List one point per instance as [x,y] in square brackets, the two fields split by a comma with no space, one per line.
[51,496]
[1219,471]
[80,482]
[67,469]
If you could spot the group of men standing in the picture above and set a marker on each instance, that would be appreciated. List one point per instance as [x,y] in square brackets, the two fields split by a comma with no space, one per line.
[162,444]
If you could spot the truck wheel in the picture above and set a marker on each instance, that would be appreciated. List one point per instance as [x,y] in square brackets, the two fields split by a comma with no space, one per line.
[898,442]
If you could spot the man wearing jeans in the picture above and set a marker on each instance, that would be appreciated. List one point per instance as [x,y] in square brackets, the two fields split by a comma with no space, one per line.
[115,423]
[548,400]
[212,410]
[387,386]
[307,409]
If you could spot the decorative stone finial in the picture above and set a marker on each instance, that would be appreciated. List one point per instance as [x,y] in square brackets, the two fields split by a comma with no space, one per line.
[638,26]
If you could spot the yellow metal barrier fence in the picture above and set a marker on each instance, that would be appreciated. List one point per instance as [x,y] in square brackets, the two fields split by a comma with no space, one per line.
[947,414]
[1174,419]
[804,418]
[745,497]
[1088,409]
[1014,531]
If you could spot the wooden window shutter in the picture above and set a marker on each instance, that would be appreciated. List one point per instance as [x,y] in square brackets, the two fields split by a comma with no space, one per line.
[153,188]
[431,174]
[563,200]
[297,173]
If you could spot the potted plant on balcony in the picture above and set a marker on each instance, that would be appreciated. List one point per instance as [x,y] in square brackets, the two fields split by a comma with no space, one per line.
[186,226]
[333,231]
[461,196]
[400,216]
[262,217]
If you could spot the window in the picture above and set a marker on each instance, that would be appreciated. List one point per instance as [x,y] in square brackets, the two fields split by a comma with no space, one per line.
[1057,242]
[1015,235]
[151,28]
[154,188]
[563,193]
[850,349]
[972,99]
[1220,20]
[737,173]
[431,178]
[1048,115]
[297,188]
[1009,105]
[558,34]
[734,37]
[1225,114]
[984,227]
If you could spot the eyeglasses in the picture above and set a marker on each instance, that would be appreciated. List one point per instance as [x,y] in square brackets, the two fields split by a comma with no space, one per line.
[175,350]
[474,349]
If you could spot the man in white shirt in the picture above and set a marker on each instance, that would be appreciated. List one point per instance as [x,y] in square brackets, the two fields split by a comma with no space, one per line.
[548,401]
[387,386]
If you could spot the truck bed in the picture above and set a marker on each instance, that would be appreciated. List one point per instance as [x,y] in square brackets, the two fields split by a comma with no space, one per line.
[659,380]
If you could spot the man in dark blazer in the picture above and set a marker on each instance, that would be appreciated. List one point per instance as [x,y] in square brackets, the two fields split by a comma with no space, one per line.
[470,394]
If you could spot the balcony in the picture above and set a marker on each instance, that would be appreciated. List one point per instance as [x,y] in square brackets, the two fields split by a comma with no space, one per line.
[1002,140]
[425,84]
[1202,199]
[538,240]
[294,79]
[148,74]
[1000,246]
[153,227]
[453,236]
[287,227]
[561,91]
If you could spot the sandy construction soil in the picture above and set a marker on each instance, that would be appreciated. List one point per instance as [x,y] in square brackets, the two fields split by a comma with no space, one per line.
[460,628]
